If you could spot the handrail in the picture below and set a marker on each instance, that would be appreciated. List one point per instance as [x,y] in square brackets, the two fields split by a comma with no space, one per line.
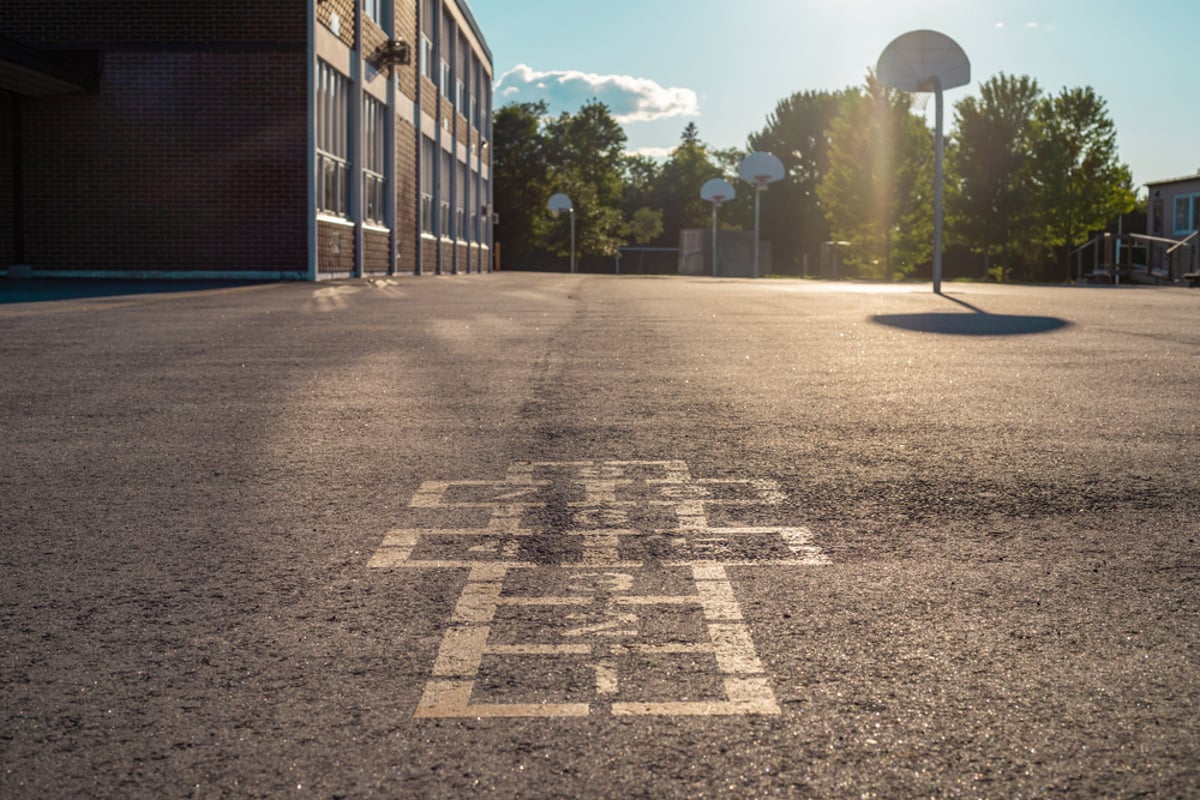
[1083,246]
[1184,242]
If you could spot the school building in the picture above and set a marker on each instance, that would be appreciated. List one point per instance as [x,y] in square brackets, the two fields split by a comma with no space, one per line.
[222,139]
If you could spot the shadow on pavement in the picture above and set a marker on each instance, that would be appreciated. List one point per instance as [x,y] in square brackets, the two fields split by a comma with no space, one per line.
[40,290]
[978,323]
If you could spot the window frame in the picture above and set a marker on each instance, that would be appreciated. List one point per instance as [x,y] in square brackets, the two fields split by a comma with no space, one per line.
[374,160]
[427,58]
[333,141]
[1190,216]
[428,155]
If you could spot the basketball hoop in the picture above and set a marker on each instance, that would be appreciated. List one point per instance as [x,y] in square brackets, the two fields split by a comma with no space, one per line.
[918,101]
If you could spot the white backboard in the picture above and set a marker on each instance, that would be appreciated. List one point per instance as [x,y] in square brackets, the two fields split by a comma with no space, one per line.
[760,168]
[717,190]
[559,203]
[912,62]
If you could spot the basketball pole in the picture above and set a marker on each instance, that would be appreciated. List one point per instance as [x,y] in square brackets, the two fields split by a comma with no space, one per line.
[757,202]
[714,252]
[939,153]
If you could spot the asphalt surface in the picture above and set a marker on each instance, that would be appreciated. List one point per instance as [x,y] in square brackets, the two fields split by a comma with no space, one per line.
[586,536]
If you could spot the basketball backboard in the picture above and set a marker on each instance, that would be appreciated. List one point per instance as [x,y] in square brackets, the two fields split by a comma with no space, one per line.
[923,61]
[717,190]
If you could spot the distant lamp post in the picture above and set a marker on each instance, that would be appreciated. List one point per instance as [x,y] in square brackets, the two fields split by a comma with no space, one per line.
[927,61]
[759,169]
[559,203]
[716,191]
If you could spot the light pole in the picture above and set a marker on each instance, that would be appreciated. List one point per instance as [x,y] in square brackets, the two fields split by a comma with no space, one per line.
[759,169]
[559,203]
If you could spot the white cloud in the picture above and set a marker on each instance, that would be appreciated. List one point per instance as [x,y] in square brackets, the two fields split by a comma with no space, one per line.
[630,99]
[652,152]
[1031,24]
[999,24]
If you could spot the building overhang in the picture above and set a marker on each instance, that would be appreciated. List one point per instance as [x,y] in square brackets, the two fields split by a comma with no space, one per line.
[1170,181]
[42,73]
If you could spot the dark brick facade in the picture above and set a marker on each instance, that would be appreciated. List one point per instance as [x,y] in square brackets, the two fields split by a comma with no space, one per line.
[191,151]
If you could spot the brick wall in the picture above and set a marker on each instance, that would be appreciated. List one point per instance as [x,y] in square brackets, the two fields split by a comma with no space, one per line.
[406,29]
[407,203]
[375,251]
[68,24]
[7,243]
[345,14]
[335,248]
[429,252]
[182,160]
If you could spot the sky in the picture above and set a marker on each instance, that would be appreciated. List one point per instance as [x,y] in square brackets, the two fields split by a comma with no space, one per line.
[724,64]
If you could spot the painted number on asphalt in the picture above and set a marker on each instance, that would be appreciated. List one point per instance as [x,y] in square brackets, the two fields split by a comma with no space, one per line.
[593,586]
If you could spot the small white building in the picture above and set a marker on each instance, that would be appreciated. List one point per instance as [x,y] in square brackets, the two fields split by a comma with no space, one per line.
[1174,206]
[1173,228]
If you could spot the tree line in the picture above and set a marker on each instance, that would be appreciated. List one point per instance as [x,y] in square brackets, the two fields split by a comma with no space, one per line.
[1029,177]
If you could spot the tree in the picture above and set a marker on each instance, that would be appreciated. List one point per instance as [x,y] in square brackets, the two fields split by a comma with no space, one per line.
[990,199]
[678,188]
[1079,182]
[585,151]
[646,225]
[877,192]
[522,176]
[641,181]
[797,133]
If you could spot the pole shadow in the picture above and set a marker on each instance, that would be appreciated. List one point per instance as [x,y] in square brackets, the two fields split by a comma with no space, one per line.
[976,323]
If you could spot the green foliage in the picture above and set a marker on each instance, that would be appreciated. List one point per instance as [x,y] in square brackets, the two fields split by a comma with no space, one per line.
[1079,182]
[585,153]
[877,192]
[990,200]
[1025,173]
[646,225]
[677,190]
[522,176]
[641,177]
[1032,172]
[797,133]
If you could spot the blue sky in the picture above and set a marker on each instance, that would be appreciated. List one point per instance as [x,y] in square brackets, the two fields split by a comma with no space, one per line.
[723,65]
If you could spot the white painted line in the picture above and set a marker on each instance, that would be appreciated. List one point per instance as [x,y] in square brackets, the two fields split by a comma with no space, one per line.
[477,603]
[453,699]
[601,626]
[539,649]
[461,651]
[718,601]
[735,649]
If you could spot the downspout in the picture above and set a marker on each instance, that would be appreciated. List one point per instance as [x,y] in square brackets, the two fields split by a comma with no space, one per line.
[389,155]
[311,142]
[356,143]
[419,44]
[437,161]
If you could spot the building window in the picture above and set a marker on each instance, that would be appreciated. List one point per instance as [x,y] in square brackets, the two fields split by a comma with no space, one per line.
[427,58]
[333,140]
[485,217]
[460,196]
[373,8]
[428,155]
[444,197]
[475,84]
[460,98]
[446,79]
[1187,213]
[374,134]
